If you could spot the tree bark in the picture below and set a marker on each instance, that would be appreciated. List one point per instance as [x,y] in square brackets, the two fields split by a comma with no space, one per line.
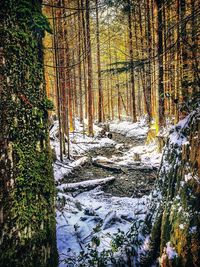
[134,118]
[100,92]
[27,192]
[57,78]
[89,61]
[175,220]
[79,66]
[161,111]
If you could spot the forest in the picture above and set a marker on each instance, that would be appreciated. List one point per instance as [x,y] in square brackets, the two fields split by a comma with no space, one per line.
[99,133]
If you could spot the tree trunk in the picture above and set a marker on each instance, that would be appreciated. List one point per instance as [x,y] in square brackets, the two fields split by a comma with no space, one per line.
[61,63]
[100,99]
[161,111]
[57,78]
[79,66]
[134,119]
[85,53]
[110,100]
[89,59]
[27,193]
[175,204]
[149,43]
[177,63]
[184,53]
[118,101]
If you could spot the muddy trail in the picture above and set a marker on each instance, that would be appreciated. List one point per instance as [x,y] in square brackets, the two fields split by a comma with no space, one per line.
[128,182]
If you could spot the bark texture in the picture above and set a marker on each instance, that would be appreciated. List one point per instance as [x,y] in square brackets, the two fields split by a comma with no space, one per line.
[176,222]
[27,218]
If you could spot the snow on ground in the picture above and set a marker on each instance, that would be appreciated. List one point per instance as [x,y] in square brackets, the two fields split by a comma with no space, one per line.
[77,222]
[138,130]
[142,156]
[146,155]
[78,216]
[62,169]
[80,145]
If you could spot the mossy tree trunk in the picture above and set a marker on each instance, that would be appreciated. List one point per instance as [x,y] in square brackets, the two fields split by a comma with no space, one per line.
[175,232]
[27,193]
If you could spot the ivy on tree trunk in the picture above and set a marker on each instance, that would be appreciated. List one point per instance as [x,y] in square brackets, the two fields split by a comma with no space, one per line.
[27,193]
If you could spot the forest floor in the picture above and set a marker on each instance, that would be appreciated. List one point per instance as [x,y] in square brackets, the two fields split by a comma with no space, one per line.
[104,187]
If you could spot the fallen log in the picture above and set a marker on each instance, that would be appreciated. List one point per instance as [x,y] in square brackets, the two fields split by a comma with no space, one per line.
[86,185]
[86,143]
[109,167]
[106,164]
[65,169]
[140,168]
[117,168]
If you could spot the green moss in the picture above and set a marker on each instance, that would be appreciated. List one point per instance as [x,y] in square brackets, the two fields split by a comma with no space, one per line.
[166,229]
[177,218]
[28,230]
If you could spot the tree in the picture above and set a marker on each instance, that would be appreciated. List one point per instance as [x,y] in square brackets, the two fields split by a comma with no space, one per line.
[131,60]
[175,222]
[89,62]
[27,193]
[157,58]
[100,100]
[159,32]
[80,66]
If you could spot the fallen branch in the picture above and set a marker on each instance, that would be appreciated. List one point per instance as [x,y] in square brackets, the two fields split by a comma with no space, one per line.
[111,166]
[87,185]
[79,142]
[141,167]
[108,165]
[110,218]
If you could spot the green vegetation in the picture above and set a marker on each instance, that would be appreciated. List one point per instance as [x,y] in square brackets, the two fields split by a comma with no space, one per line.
[27,229]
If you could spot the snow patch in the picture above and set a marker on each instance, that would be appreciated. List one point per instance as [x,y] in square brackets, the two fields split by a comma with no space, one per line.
[171,253]
[188,177]
[138,129]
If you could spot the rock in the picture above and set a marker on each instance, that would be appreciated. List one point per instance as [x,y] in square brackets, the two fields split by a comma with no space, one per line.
[109,135]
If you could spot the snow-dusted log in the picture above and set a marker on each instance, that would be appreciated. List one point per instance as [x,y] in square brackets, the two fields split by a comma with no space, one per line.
[115,167]
[63,170]
[79,162]
[107,166]
[84,142]
[139,167]
[86,185]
